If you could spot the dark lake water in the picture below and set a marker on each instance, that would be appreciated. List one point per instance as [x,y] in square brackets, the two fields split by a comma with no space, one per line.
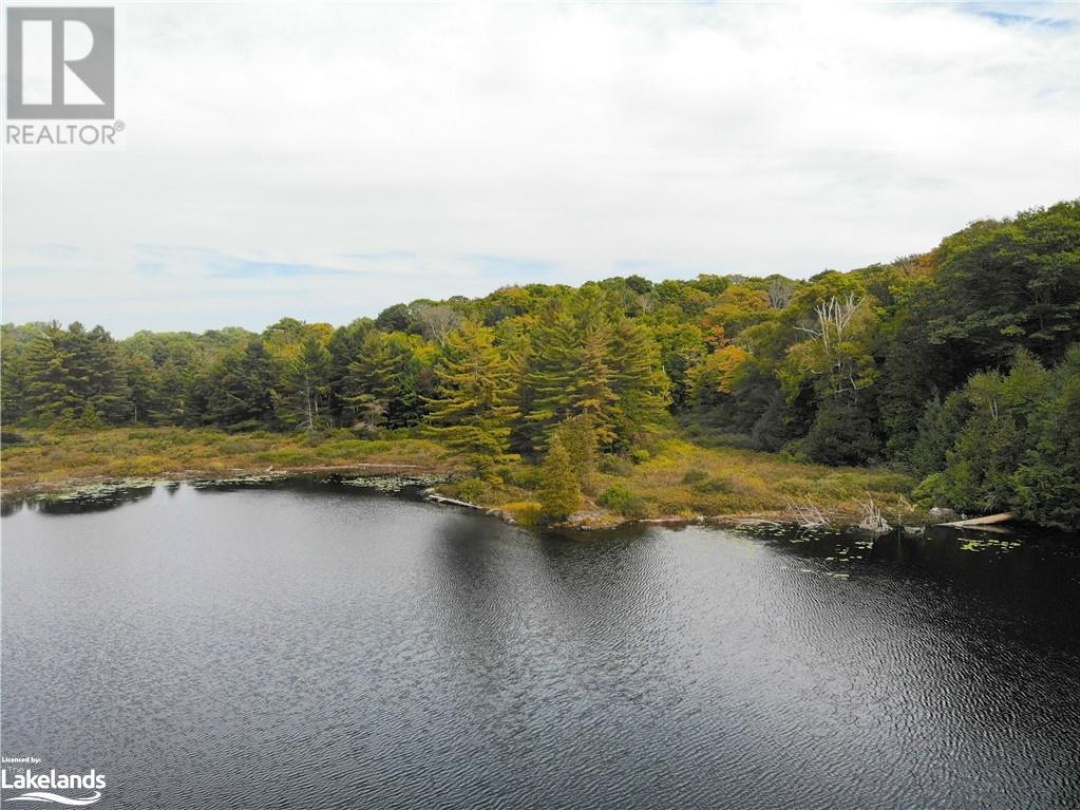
[310,646]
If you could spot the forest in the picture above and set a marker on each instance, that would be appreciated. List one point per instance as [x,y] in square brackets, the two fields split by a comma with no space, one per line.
[960,367]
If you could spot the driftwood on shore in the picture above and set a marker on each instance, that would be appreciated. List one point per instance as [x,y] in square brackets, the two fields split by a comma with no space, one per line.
[975,523]
[442,499]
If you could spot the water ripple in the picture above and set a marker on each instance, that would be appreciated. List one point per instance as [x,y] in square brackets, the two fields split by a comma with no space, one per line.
[293,649]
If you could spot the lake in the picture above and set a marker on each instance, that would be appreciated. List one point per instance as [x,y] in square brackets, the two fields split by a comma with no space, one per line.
[304,644]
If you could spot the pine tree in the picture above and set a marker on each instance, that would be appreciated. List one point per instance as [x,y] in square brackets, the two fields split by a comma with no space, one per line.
[475,409]
[72,373]
[389,380]
[303,401]
[552,373]
[591,394]
[638,381]
[580,440]
[239,388]
[560,493]
[51,391]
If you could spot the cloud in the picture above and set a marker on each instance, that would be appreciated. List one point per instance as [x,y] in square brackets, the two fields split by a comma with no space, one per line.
[509,268]
[327,160]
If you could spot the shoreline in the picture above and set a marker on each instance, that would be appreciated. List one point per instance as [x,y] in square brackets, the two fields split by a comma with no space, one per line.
[678,484]
[405,475]
[76,486]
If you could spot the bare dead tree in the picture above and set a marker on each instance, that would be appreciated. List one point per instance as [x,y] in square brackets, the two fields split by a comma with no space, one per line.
[808,516]
[780,293]
[833,318]
[873,518]
[438,322]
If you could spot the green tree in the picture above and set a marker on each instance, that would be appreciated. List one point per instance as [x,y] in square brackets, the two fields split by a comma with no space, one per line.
[75,374]
[387,383]
[14,348]
[560,492]
[579,438]
[238,390]
[837,362]
[591,390]
[998,418]
[1011,284]
[345,345]
[475,406]
[551,372]
[638,381]
[1047,482]
[585,358]
[302,403]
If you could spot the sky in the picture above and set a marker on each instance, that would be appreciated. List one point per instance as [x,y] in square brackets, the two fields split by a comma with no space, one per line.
[323,161]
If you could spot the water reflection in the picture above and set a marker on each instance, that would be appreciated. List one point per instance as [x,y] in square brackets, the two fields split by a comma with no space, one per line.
[414,656]
[98,499]
[932,651]
[475,590]
[1030,574]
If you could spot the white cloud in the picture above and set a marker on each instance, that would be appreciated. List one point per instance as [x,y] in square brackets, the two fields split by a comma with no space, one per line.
[751,138]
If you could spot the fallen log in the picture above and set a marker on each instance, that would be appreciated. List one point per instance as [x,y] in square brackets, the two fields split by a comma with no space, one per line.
[988,520]
[435,497]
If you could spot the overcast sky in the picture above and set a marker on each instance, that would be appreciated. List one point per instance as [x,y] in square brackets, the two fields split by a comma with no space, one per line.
[324,161]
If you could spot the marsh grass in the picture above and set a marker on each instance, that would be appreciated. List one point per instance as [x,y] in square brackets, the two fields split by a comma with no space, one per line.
[682,480]
[46,460]
[675,479]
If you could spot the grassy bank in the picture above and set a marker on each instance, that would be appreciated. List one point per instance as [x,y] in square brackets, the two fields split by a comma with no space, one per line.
[683,481]
[677,480]
[49,461]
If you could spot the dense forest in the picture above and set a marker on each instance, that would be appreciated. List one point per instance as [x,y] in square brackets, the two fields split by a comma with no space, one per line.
[961,366]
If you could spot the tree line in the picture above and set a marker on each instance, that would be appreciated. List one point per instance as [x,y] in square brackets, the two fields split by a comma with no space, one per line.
[961,365]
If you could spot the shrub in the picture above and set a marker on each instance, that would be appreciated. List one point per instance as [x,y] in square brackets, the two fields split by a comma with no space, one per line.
[735,441]
[640,456]
[931,492]
[472,490]
[615,465]
[521,475]
[527,513]
[695,477]
[795,485]
[713,485]
[622,499]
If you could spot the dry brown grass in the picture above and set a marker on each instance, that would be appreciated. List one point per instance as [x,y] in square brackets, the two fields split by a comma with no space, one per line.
[48,460]
[685,481]
[679,479]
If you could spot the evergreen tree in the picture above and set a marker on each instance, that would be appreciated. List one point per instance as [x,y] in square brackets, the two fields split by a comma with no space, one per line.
[591,393]
[105,378]
[996,421]
[584,360]
[302,402]
[239,389]
[14,372]
[638,381]
[475,408]
[72,374]
[560,493]
[580,440]
[389,380]
[345,346]
[51,393]
[552,372]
